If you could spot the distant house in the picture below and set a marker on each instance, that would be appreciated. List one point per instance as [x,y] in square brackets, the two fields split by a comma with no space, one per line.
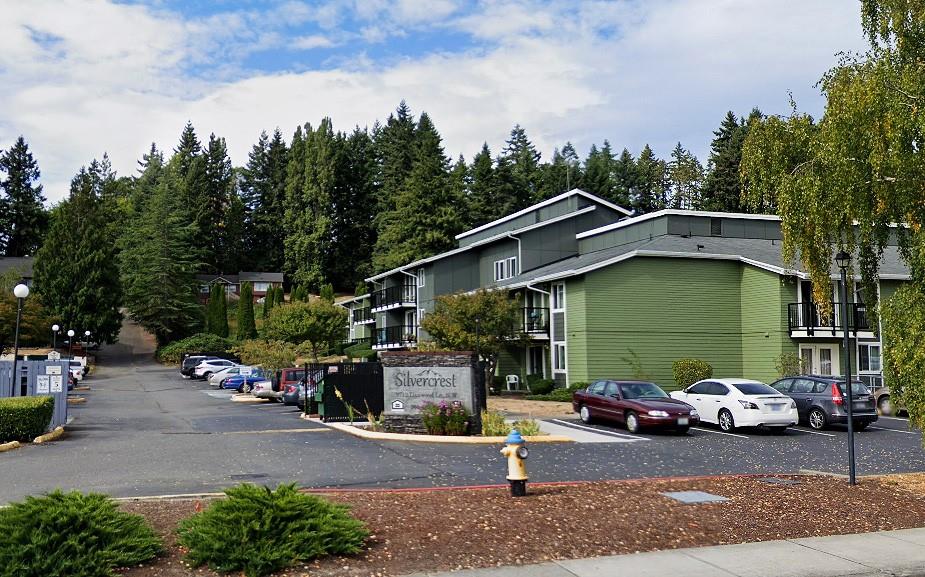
[22,265]
[260,282]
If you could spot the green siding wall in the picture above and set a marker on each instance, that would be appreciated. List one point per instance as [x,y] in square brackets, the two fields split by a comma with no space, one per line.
[664,309]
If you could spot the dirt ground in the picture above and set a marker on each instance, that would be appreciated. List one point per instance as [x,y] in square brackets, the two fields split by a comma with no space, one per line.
[464,528]
[518,407]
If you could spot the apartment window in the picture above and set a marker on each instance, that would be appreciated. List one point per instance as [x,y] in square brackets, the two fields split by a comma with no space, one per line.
[420,277]
[869,358]
[511,267]
[230,289]
[420,315]
[261,287]
[558,296]
[499,270]
[716,227]
[205,289]
[559,357]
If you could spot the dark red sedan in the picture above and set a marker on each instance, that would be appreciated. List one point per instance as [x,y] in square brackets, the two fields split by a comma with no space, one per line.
[634,404]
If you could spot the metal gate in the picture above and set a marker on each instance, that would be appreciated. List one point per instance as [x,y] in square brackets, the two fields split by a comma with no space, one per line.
[38,378]
[360,385]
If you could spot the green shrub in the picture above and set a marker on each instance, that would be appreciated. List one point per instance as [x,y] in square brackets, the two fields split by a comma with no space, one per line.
[198,343]
[527,427]
[24,418]
[542,386]
[788,365]
[445,419]
[560,395]
[364,353]
[689,371]
[577,386]
[494,425]
[258,531]
[67,534]
[498,382]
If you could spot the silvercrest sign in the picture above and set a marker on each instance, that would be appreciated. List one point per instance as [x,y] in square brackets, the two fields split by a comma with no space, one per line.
[407,388]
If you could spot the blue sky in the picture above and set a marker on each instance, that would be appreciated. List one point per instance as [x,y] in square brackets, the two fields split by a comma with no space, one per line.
[82,77]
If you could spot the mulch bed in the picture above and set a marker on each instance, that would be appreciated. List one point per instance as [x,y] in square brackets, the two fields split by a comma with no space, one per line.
[456,529]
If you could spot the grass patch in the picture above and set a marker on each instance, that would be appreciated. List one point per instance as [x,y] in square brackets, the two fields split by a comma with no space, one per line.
[71,535]
[257,530]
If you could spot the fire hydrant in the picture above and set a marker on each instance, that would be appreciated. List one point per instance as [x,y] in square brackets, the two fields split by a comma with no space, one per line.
[516,453]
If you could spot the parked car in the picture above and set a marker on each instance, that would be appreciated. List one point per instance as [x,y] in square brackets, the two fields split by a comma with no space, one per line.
[218,376]
[885,403]
[264,390]
[205,368]
[294,394]
[290,376]
[189,364]
[244,383]
[634,404]
[732,403]
[821,400]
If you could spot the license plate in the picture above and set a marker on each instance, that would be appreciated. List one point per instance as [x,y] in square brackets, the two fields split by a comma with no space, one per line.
[682,420]
[777,408]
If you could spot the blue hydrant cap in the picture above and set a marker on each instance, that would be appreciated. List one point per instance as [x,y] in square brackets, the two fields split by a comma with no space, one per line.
[514,438]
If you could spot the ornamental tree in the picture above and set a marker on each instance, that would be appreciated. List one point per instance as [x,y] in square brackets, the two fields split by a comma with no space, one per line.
[318,325]
[842,182]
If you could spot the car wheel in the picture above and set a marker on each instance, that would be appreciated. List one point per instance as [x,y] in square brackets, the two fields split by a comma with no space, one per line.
[585,413]
[726,422]
[682,430]
[246,388]
[206,376]
[632,422]
[817,419]
[778,430]
[885,406]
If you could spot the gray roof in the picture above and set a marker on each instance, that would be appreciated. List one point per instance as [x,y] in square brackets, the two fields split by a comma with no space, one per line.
[21,264]
[209,278]
[758,252]
[260,276]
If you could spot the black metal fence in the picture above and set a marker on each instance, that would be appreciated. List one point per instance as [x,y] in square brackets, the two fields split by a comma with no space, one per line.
[393,295]
[396,336]
[536,320]
[363,315]
[359,384]
[808,317]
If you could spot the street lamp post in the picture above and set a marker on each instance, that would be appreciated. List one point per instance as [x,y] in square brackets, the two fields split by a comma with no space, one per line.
[87,339]
[843,260]
[54,337]
[70,343]
[20,291]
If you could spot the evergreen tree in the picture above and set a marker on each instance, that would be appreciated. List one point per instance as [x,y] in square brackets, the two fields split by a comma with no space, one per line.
[685,175]
[294,215]
[247,327]
[395,153]
[361,289]
[598,177]
[188,165]
[76,270]
[722,190]
[23,219]
[651,192]
[220,327]
[426,217]
[525,162]
[269,299]
[158,269]
[279,296]
[626,178]
[220,217]
[562,173]
[481,201]
[327,293]
[263,192]
[151,170]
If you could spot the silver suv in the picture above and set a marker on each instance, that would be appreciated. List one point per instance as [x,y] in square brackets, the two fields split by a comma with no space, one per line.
[821,400]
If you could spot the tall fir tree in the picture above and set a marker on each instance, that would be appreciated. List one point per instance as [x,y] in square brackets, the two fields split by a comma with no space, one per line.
[626,178]
[481,205]
[247,327]
[269,299]
[722,189]
[23,219]
[76,270]
[685,175]
[395,153]
[562,174]
[598,175]
[158,267]
[217,311]
[651,192]
[525,161]
[426,215]
[263,192]
[220,217]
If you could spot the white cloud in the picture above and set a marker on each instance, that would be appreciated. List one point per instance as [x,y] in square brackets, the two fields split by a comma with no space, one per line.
[312,42]
[98,76]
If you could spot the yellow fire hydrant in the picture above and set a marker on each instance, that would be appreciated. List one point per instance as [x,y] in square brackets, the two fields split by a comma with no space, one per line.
[516,453]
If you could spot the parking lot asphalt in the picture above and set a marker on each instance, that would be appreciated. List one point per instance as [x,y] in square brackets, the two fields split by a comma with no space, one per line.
[146,431]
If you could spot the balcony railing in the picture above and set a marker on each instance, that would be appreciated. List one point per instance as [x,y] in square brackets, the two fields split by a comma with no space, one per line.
[807,317]
[536,320]
[363,315]
[394,295]
[396,336]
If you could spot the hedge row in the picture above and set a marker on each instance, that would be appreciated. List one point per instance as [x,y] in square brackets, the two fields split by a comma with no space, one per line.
[24,418]
[173,353]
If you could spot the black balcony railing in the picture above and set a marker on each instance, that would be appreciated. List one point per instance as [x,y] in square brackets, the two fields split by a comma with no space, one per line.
[394,295]
[808,317]
[536,320]
[397,336]
[362,315]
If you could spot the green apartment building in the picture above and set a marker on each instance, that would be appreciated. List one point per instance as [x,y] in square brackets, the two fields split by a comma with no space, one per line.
[607,294]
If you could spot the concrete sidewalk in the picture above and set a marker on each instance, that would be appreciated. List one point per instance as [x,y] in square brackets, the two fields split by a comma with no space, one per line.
[868,554]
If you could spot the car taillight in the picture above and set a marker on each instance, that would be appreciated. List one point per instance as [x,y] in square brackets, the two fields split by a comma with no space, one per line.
[836,395]
[290,389]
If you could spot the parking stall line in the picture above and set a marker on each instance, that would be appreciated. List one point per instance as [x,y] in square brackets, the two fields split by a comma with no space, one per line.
[600,431]
[895,419]
[813,432]
[719,433]
[895,430]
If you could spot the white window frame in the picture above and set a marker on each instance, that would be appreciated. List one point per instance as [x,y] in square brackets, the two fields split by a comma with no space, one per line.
[420,275]
[420,316]
[261,286]
[869,371]
[557,304]
[558,300]
[558,367]
[499,270]
[510,267]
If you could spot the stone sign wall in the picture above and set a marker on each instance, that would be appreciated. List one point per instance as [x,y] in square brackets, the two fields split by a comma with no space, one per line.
[412,378]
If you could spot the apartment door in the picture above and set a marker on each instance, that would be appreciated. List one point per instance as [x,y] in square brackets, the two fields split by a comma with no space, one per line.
[820,359]
[536,361]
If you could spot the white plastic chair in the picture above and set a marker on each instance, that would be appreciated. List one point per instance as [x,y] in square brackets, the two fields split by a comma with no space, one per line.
[513,382]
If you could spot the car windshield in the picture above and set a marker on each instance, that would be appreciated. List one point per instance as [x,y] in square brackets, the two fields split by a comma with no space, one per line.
[857,388]
[642,391]
[755,389]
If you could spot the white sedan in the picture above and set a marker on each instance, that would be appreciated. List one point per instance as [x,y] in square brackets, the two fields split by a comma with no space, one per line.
[264,390]
[732,403]
[219,376]
[207,368]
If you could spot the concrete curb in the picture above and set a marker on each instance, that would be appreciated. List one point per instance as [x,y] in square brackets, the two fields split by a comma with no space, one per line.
[82,388]
[378,436]
[247,398]
[4,447]
[53,435]
[76,400]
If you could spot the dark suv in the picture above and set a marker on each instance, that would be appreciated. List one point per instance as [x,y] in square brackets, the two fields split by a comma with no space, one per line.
[821,400]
